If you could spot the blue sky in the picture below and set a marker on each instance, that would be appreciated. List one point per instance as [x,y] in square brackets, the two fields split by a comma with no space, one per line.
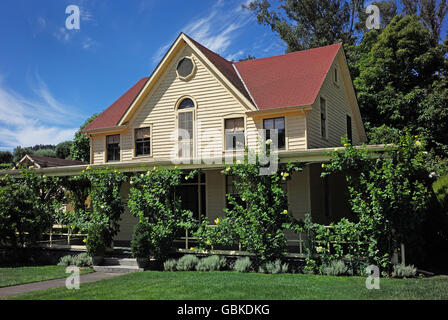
[52,78]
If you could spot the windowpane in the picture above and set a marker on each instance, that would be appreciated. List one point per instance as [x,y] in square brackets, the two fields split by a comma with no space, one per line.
[186,103]
[113,147]
[349,128]
[142,142]
[323,117]
[186,123]
[234,134]
[276,124]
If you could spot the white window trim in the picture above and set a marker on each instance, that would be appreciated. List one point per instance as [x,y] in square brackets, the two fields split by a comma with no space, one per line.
[134,153]
[194,117]
[286,130]
[233,116]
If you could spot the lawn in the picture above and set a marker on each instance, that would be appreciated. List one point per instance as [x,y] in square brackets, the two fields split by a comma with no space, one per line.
[20,275]
[232,285]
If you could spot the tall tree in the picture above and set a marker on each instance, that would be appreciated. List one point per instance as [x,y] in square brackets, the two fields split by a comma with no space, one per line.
[63,149]
[400,80]
[308,23]
[80,149]
[431,12]
[20,152]
[6,157]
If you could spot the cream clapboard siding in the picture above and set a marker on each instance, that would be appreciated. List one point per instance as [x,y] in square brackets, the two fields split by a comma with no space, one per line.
[128,221]
[215,191]
[214,102]
[338,108]
[99,145]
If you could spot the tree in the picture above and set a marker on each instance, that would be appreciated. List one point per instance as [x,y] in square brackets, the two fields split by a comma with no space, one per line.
[6,157]
[401,82]
[80,148]
[432,13]
[308,23]
[28,205]
[249,57]
[20,152]
[63,149]
[46,153]
[391,195]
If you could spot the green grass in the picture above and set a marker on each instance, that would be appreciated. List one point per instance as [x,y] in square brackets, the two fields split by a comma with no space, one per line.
[21,275]
[231,285]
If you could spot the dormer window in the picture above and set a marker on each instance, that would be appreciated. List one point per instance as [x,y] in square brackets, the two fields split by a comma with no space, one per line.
[185,68]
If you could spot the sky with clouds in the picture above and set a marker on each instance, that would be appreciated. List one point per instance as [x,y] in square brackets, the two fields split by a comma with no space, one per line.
[52,78]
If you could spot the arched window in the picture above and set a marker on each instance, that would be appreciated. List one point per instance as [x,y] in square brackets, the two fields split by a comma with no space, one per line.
[185,118]
[186,103]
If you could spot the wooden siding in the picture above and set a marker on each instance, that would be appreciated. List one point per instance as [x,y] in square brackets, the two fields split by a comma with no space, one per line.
[215,192]
[127,221]
[338,107]
[214,103]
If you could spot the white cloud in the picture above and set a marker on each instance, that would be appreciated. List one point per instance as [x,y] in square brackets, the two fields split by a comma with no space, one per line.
[216,30]
[235,56]
[37,120]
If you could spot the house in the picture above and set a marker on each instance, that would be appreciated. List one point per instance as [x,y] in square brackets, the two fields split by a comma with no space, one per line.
[45,162]
[307,96]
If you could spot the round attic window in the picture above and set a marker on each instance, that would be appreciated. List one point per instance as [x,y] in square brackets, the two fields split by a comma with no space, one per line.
[185,68]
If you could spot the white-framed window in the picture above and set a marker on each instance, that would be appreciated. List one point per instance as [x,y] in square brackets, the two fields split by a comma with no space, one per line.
[142,140]
[279,125]
[234,134]
[113,148]
[185,124]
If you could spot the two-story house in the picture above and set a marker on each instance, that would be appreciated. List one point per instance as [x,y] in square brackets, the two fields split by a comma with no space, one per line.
[307,96]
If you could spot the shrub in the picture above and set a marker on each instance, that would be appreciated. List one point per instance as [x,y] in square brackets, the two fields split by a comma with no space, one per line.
[243,265]
[310,266]
[66,261]
[274,267]
[212,263]
[335,268]
[95,242]
[28,205]
[152,201]
[170,265]
[140,243]
[257,216]
[82,260]
[403,271]
[187,262]
[440,188]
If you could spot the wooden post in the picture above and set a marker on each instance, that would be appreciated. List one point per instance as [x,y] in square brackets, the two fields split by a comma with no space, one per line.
[51,236]
[186,239]
[300,243]
[403,260]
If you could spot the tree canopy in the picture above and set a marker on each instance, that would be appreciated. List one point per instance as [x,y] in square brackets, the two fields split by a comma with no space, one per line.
[80,148]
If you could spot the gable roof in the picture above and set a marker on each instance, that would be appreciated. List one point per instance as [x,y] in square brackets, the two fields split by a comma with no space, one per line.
[112,115]
[225,66]
[47,162]
[287,80]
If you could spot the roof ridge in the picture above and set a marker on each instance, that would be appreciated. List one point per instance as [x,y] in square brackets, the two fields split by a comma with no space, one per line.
[289,53]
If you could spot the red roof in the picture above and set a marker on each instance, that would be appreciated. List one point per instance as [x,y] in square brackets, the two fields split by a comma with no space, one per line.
[112,115]
[292,79]
[226,68]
